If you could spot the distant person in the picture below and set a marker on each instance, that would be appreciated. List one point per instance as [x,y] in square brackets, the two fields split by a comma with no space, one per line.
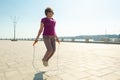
[49,35]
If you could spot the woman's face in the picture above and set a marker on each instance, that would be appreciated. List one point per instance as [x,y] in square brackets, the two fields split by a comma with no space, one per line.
[49,14]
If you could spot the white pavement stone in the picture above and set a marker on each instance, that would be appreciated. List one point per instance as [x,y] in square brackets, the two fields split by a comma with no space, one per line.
[76,61]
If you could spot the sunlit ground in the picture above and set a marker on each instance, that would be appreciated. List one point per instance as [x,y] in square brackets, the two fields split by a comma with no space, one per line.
[72,61]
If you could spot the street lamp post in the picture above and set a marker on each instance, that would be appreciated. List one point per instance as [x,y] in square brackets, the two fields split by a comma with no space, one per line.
[14,23]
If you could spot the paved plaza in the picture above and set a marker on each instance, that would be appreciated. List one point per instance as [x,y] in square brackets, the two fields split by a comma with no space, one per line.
[72,61]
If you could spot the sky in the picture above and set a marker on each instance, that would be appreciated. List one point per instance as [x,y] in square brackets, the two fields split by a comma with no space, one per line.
[73,17]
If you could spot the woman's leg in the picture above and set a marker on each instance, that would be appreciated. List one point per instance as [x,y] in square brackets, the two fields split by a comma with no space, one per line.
[53,43]
[47,41]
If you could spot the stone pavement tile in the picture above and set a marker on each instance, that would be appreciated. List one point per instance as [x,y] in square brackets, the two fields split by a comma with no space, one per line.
[80,75]
[96,67]
[2,76]
[74,70]
[93,78]
[15,78]
[26,70]
[105,72]
[67,70]
[19,65]
[29,76]
[53,73]
[79,69]
[66,76]
[10,69]
[11,64]
[3,67]
[117,72]
[100,72]
[13,75]
[75,64]
[115,67]
[92,72]
[111,76]
[54,78]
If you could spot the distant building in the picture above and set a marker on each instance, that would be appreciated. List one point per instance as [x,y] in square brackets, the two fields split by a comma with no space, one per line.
[119,36]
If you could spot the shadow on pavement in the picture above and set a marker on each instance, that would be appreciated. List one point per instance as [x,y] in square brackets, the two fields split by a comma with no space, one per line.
[38,76]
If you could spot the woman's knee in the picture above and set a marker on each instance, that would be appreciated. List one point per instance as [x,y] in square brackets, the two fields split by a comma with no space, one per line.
[50,51]
[53,51]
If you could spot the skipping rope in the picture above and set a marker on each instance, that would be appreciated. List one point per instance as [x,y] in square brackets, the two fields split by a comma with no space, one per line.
[33,61]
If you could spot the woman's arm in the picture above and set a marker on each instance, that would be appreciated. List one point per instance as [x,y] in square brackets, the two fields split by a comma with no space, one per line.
[57,39]
[39,33]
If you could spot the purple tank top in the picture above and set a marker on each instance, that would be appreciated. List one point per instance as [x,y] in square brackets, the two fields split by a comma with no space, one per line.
[49,26]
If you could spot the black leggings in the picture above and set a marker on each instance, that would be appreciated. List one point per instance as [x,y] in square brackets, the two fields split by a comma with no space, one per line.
[50,44]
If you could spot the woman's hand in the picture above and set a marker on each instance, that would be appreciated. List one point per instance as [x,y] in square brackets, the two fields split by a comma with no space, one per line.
[35,42]
[57,39]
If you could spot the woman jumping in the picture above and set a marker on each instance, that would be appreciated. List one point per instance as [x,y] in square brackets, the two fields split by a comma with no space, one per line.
[49,35]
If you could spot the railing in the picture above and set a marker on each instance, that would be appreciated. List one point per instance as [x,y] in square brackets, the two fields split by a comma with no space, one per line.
[105,40]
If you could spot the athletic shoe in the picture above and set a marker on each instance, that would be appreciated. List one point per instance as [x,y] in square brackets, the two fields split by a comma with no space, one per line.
[45,63]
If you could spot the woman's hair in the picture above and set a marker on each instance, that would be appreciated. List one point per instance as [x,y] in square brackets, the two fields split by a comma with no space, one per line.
[47,10]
